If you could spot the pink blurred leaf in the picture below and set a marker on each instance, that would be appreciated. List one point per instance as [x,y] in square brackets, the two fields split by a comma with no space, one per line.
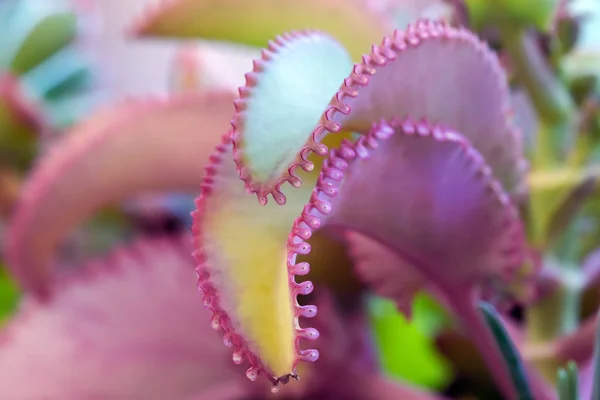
[133,147]
[384,271]
[128,326]
[282,101]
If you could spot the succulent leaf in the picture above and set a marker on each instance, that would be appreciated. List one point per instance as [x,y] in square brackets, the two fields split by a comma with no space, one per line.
[126,326]
[354,23]
[448,209]
[568,382]
[279,106]
[136,146]
[417,73]
[383,270]
[241,254]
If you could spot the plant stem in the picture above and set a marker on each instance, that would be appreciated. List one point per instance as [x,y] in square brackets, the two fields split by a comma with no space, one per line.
[558,313]
[553,103]
[554,316]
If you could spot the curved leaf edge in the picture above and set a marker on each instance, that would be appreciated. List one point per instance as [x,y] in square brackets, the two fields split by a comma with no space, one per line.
[93,270]
[60,157]
[262,189]
[397,42]
[220,319]
[332,176]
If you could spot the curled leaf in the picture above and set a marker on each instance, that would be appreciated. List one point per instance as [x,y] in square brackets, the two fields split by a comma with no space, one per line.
[444,75]
[137,146]
[127,326]
[242,270]
[354,23]
[280,104]
[451,218]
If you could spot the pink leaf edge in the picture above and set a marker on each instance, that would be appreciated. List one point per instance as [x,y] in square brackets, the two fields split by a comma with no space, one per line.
[511,252]
[89,170]
[252,80]
[504,251]
[220,319]
[509,165]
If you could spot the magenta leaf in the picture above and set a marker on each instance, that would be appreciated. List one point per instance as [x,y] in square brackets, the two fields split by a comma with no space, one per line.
[451,217]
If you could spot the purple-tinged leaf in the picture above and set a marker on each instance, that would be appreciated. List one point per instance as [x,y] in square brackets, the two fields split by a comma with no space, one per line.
[137,146]
[444,75]
[451,218]
[128,326]
[384,271]
[428,195]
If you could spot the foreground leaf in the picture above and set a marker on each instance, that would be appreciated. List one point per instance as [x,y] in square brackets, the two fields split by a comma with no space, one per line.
[241,247]
[456,240]
[280,104]
[416,74]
